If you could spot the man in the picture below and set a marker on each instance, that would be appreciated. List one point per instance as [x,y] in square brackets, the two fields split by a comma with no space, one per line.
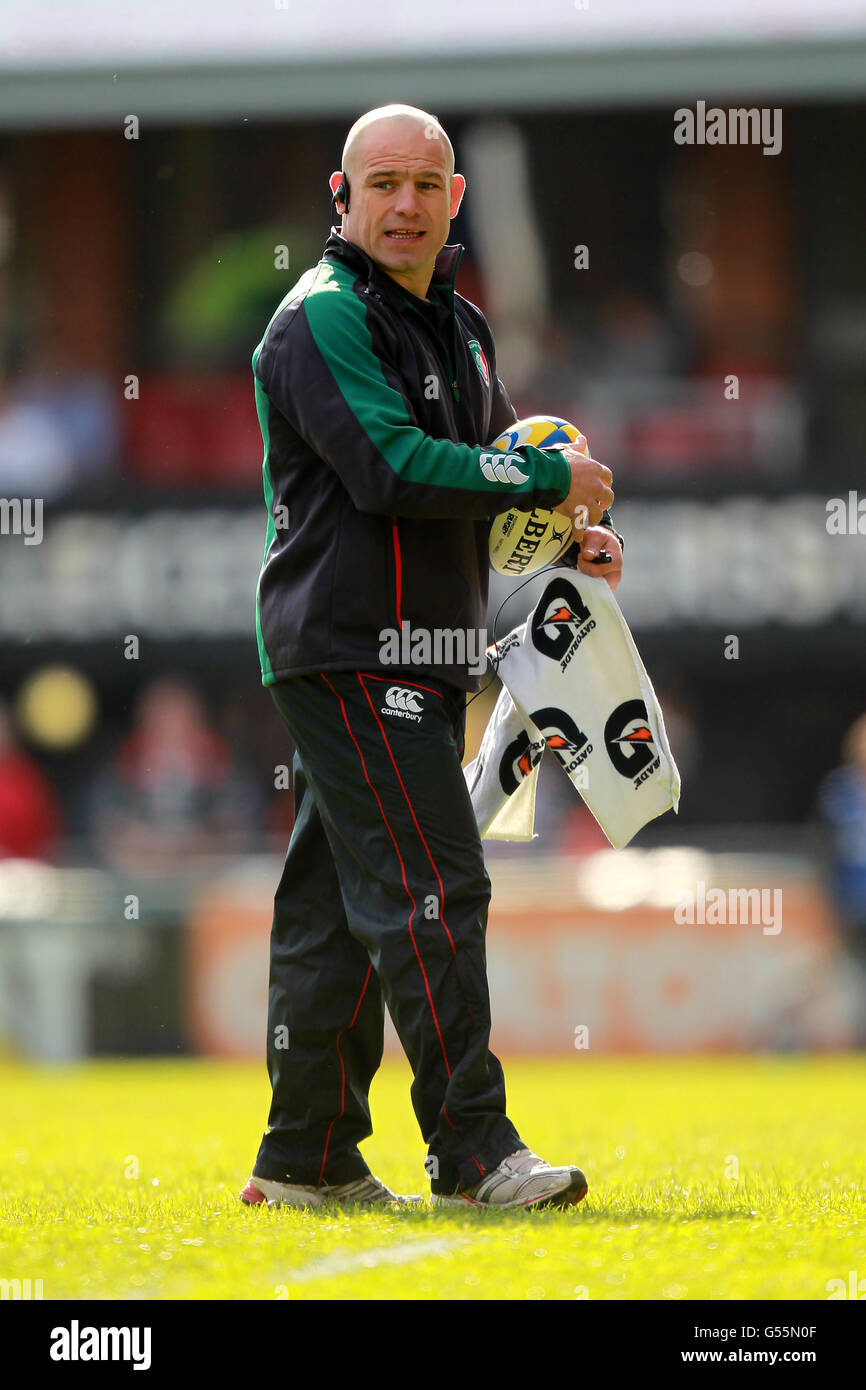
[377,393]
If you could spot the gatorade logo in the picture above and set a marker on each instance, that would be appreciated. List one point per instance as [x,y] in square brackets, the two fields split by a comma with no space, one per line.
[629,742]
[560,622]
[518,760]
[563,737]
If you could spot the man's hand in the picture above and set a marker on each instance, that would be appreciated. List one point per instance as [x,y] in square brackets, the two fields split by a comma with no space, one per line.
[594,540]
[590,492]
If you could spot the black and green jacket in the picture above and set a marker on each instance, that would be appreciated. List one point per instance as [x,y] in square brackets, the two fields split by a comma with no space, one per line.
[376,408]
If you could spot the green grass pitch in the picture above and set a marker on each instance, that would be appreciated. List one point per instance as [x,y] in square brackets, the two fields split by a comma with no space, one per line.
[736,1177]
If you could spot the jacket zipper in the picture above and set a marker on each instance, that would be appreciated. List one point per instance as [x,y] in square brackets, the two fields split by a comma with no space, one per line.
[454,387]
[450,357]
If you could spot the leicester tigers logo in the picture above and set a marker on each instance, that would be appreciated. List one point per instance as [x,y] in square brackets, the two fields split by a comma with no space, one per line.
[480,360]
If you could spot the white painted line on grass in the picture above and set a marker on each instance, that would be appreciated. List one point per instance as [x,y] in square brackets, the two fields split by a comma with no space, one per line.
[330,1265]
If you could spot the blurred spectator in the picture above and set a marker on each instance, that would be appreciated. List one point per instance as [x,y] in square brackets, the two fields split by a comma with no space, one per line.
[842,803]
[29,814]
[58,430]
[175,789]
[636,342]
[35,459]
[83,408]
[606,371]
[624,340]
[554,385]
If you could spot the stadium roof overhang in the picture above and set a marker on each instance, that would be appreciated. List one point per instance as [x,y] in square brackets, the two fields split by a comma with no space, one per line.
[202,61]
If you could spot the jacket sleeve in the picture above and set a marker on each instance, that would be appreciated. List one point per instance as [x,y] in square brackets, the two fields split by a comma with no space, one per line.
[320,370]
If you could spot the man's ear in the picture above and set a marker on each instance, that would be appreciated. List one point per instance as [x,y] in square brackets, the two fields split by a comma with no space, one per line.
[458,188]
[335,180]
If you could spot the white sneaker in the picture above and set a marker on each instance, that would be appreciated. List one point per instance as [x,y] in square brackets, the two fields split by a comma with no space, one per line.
[521,1180]
[367,1191]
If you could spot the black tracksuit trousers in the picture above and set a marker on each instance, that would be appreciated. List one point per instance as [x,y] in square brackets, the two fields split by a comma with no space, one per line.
[383,897]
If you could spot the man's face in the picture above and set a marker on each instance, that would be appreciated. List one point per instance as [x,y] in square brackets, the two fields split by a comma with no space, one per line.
[401,200]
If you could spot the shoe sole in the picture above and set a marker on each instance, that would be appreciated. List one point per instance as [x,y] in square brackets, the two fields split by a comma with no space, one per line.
[253,1195]
[284,1195]
[563,1197]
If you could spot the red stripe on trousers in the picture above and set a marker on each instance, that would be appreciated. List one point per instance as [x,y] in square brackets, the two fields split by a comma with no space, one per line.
[429,856]
[402,869]
[389,680]
[343,1074]
[415,822]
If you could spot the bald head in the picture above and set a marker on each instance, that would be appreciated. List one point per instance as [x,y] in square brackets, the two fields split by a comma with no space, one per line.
[394,119]
[403,192]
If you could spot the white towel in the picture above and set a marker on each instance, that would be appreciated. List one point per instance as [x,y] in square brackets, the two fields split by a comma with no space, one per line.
[574,683]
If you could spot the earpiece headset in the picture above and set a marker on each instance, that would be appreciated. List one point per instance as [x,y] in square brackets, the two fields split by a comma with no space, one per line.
[342,193]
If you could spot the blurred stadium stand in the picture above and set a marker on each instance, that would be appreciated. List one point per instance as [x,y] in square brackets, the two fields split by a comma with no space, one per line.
[136,276]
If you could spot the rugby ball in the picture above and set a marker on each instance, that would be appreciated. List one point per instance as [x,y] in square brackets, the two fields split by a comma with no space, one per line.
[522,543]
